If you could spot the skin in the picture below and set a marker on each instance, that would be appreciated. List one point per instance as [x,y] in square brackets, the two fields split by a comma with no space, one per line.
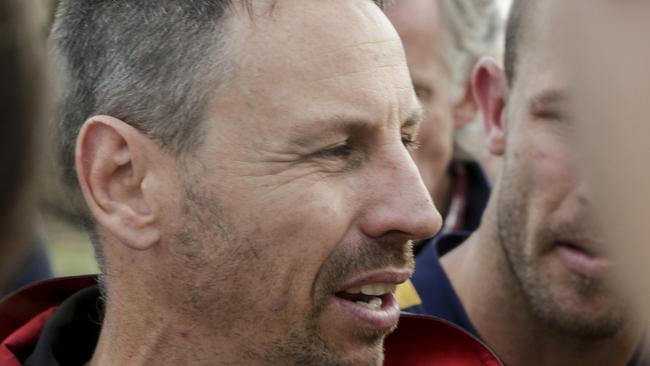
[619,179]
[421,29]
[233,254]
[531,304]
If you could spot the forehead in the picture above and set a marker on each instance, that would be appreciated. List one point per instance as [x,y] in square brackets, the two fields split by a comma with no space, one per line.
[301,51]
[420,26]
[416,20]
[319,38]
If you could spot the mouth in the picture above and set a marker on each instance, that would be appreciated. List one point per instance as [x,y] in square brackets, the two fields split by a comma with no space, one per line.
[370,303]
[583,259]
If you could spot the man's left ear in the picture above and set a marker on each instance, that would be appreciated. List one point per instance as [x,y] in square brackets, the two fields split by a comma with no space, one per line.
[119,171]
[466,108]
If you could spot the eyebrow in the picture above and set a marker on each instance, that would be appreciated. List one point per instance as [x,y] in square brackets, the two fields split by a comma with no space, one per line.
[305,137]
[414,120]
[547,98]
[310,134]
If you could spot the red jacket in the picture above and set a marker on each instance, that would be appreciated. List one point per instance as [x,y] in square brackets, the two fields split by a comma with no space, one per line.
[418,341]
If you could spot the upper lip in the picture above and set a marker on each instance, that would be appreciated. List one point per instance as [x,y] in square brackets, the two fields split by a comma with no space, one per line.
[589,246]
[394,277]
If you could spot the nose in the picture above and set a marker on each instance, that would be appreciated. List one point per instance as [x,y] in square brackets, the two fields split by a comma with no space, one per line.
[583,187]
[399,204]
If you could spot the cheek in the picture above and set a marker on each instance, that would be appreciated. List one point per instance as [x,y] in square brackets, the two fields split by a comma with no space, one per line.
[298,227]
[435,149]
[547,166]
[541,172]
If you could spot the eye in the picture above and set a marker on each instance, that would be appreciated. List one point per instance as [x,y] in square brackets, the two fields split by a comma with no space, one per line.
[553,112]
[550,114]
[410,142]
[344,155]
[340,151]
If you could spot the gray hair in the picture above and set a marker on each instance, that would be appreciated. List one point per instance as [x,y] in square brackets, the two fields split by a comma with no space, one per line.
[146,62]
[150,63]
[474,29]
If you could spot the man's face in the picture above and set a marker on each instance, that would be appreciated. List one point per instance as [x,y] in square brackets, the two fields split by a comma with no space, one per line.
[419,25]
[299,207]
[614,129]
[544,213]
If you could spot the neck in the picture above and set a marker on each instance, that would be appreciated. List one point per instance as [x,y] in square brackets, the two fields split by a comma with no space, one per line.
[138,331]
[479,273]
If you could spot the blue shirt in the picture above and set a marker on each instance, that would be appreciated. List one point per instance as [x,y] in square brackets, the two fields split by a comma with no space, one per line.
[437,295]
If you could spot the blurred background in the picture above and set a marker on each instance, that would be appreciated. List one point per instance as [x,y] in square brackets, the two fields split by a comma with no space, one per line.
[70,249]
[504,5]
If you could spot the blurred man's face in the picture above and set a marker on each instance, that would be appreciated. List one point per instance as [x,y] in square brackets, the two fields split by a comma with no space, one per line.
[420,27]
[299,209]
[614,127]
[544,218]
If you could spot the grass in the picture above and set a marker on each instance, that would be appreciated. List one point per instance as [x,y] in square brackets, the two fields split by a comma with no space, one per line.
[70,249]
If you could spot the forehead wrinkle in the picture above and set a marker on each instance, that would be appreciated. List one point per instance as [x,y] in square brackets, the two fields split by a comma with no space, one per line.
[303,51]
[356,72]
[298,33]
[352,59]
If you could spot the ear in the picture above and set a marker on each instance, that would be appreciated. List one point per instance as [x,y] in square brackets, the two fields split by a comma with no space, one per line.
[113,162]
[490,90]
[466,108]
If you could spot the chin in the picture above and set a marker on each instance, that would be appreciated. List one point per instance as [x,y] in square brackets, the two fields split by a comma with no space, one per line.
[370,356]
[358,349]
[592,315]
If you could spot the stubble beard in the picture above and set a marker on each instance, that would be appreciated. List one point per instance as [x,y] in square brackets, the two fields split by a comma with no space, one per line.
[537,292]
[302,344]
[308,347]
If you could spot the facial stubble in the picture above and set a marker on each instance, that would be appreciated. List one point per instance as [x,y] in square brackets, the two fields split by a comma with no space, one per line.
[208,232]
[526,268]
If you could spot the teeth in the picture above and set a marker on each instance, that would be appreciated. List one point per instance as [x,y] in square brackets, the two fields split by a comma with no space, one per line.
[377,289]
[354,290]
[374,304]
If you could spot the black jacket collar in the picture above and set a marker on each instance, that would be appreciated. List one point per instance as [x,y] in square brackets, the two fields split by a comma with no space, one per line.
[70,336]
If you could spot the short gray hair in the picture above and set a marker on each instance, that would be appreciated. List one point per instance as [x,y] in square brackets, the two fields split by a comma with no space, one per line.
[146,62]
[150,63]
[474,29]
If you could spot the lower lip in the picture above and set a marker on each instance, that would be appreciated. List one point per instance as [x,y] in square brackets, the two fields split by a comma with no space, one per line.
[583,264]
[382,319]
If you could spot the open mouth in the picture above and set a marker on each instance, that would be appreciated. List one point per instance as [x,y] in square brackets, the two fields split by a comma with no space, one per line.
[374,296]
[371,306]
